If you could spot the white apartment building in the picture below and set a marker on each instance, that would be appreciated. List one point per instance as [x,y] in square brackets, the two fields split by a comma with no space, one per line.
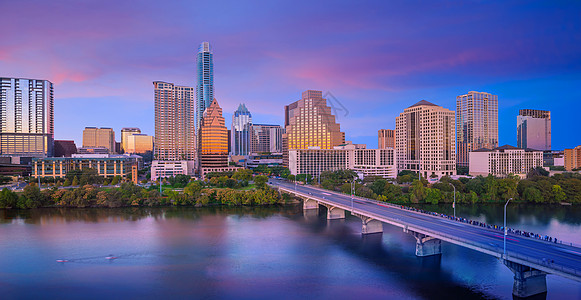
[369,162]
[504,160]
[425,140]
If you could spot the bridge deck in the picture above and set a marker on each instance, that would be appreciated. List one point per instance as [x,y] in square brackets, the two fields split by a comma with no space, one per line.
[559,259]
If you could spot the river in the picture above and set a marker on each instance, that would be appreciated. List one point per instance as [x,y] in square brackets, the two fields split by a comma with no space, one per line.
[253,253]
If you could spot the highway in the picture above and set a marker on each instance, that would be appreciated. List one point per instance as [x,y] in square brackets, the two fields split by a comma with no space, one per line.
[559,259]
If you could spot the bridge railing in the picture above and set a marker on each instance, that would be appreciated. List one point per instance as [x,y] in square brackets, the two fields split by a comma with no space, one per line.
[398,206]
[495,249]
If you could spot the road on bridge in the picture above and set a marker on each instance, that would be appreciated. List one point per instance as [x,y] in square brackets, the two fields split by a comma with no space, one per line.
[549,257]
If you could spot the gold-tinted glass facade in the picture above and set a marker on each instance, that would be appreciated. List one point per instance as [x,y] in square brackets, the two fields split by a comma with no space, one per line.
[99,137]
[213,138]
[310,123]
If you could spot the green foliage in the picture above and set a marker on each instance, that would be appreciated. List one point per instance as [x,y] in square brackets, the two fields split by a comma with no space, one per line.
[260,181]
[75,181]
[8,198]
[114,181]
[433,196]
[418,190]
[558,194]
[291,177]
[242,174]
[306,178]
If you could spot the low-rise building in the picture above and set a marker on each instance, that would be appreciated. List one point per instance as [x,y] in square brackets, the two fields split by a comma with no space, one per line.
[369,162]
[573,158]
[504,160]
[60,166]
[170,168]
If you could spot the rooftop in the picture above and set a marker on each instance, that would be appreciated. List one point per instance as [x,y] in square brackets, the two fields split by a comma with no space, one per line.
[423,102]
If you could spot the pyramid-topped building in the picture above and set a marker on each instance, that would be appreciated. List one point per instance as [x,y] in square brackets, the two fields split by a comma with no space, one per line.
[213,143]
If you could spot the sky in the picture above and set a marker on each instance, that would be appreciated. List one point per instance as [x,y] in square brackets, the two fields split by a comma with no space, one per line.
[375,57]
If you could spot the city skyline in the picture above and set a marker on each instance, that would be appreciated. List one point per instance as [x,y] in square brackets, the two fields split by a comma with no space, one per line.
[530,59]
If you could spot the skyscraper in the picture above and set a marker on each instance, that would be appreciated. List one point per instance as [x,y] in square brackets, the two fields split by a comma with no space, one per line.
[99,137]
[310,123]
[265,138]
[27,117]
[476,124]
[213,144]
[425,140]
[139,143]
[205,80]
[385,138]
[175,137]
[125,133]
[533,129]
[240,138]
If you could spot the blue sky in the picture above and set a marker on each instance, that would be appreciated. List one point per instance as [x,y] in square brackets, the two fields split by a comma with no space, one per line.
[376,57]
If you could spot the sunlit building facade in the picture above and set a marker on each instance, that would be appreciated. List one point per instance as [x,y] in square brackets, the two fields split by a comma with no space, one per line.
[425,140]
[573,158]
[213,144]
[476,124]
[385,138]
[26,117]
[99,137]
[310,123]
[533,129]
[139,143]
[204,80]
[125,132]
[175,137]
[240,131]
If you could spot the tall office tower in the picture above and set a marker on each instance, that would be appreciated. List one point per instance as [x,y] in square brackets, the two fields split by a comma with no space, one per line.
[476,124]
[572,158]
[213,144]
[425,140]
[205,80]
[175,137]
[265,138]
[125,132]
[385,138]
[240,138]
[99,137]
[533,129]
[27,117]
[310,123]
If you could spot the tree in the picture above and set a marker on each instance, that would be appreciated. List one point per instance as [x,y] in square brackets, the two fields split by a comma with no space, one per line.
[8,198]
[433,196]
[114,181]
[291,177]
[418,190]
[532,194]
[558,194]
[242,174]
[378,186]
[67,182]
[193,189]
[260,181]
[33,197]
[75,181]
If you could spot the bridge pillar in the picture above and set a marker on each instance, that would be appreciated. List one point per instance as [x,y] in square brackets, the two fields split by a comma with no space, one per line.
[527,281]
[425,244]
[310,204]
[369,225]
[335,213]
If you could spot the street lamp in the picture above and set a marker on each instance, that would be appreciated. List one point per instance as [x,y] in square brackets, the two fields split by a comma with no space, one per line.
[454,204]
[505,231]
[352,183]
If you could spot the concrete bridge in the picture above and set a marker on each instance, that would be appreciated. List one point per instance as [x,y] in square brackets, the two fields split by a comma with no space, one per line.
[529,259]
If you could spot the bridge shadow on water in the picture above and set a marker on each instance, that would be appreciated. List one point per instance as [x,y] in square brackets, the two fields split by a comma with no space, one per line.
[422,275]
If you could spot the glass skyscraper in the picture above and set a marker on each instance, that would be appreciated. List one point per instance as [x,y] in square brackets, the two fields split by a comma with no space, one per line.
[476,124]
[205,81]
[26,117]
[533,129]
[240,131]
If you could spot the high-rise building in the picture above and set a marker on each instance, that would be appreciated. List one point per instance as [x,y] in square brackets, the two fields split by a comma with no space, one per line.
[265,138]
[213,144]
[240,137]
[26,117]
[573,158]
[310,123]
[533,129]
[205,80]
[175,137]
[99,137]
[125,132]
[385,138]
[476,124]
[139,143]
[425,140]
